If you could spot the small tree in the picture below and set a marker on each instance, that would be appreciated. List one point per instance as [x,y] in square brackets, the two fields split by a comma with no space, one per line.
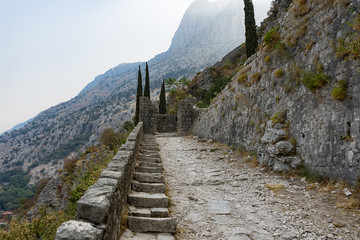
[138,95]
[147,82]
[162,104]
[250,29]
[110,138]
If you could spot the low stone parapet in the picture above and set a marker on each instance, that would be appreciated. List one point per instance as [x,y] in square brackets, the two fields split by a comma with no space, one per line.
[99,209]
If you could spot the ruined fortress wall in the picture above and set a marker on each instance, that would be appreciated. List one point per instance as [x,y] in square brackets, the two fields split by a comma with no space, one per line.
[99,210]
[325,131]
[166,123]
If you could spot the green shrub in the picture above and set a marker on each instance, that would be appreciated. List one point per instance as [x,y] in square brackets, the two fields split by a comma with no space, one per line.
[175,96]
[350,48]
[339,91]
[279,73]
[279,117]
[243,78]
[313,80]
[110,138]
[311,175]
[271,37]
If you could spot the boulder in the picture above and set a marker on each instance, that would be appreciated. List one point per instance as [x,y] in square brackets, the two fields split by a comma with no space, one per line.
[74,230]
[280,167]
[273,135]
[283,148]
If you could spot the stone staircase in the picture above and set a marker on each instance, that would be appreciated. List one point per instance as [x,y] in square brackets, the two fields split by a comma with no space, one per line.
[149,216]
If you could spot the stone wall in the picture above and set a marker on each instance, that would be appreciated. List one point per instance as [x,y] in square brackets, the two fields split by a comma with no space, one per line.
[147,112]
[166,123]
[325,132]
[186,116]
[99,210]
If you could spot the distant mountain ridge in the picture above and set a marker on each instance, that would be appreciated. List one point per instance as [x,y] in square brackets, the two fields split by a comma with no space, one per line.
[18,126]
[201,40]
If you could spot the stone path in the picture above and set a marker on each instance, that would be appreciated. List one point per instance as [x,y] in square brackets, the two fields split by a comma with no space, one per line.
[149,218]
[216,194]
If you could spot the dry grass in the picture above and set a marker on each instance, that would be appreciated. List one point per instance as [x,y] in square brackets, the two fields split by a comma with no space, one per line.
[275,187]
[123,223]
[352,203]
[255,77]
[300,8]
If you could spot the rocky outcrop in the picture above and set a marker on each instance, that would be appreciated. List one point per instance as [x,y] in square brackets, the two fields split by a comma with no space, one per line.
[276,79]
[54,197]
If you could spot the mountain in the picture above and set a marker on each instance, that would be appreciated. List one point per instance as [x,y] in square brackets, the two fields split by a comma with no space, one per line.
[206,33]
[18,126]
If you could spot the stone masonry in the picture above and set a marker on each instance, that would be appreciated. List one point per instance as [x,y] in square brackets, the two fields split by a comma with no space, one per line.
[100,209]
[149,217]
[325,131]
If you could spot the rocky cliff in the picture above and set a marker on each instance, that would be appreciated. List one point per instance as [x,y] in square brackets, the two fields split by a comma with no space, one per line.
[108,101]
[297,99]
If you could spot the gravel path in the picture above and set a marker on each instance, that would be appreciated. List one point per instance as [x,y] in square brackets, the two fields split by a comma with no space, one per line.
[217,195]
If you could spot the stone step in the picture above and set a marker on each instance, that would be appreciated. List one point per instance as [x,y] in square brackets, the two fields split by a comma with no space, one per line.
[151,146]
[149,164]
[150,159]
[148,169]
[151,156]
[148,187]
[150,151]
[157,225]
[149,177]
[148,200]
[140,212]
[159,212]
[149,212]
[129,235]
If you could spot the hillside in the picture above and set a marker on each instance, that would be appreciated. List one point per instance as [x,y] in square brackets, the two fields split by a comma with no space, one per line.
[108,101]
[295,103]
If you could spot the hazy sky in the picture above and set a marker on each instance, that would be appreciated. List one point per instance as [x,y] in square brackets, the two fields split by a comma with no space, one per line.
[50,49]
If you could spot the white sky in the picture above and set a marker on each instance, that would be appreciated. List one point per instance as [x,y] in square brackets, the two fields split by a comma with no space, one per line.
[50,49]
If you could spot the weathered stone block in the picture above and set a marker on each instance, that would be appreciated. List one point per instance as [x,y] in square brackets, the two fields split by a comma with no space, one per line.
[142,224]
[94,205]
[148,187]
[273,135]
[117,165]
[75,230]
[147,200]
[280,167]
[149,177]
[283,148]
[111,174]
[149,169]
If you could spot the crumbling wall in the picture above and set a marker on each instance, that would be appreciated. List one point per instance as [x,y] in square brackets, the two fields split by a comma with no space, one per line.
[166,123]
[147,112]
[186,115]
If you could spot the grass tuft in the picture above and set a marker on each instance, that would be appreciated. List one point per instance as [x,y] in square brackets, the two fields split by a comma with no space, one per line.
[339,92]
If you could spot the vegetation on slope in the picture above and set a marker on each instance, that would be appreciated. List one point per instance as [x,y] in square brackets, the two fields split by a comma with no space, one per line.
[79,172]
[14,189]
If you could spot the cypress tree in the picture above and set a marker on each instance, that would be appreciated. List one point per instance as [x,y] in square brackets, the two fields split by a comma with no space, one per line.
[162,104]
[138,95]
[147,82]
[250,29]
